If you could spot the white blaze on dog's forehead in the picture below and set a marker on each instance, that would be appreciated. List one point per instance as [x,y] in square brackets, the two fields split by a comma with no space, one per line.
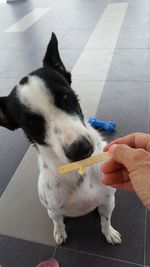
[35,95]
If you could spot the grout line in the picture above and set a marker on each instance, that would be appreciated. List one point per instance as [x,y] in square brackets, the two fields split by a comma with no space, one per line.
[100,256]
[103,48]
[84,80]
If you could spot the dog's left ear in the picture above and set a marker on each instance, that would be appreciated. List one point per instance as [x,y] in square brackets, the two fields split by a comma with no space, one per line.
[52,58]
[5,118]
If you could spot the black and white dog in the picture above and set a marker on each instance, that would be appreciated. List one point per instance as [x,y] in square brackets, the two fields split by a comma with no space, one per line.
[44,105]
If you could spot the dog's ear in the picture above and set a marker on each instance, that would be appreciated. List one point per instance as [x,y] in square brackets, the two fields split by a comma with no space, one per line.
[52,58]
[5,118]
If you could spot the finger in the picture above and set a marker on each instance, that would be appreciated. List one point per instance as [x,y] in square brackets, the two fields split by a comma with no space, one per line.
[135,140]
[116,177]
[127,156]
[124,186]
[110,166]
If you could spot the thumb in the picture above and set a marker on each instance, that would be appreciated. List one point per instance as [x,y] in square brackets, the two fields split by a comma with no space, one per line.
[127,156]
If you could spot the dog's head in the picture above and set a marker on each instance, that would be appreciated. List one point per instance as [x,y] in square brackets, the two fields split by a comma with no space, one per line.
[47,109]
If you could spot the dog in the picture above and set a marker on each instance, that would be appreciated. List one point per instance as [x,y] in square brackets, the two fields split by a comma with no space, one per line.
[45,106]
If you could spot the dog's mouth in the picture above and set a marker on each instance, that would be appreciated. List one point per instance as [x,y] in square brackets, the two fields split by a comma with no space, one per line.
[78,158]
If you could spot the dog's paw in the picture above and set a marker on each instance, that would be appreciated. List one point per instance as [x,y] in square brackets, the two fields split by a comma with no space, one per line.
[113,237]
[60,236]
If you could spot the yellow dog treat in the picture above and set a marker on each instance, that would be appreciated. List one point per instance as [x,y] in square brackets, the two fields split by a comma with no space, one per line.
[82,164]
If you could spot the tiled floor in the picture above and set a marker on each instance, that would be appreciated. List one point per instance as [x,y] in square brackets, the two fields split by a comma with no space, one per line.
[110,60]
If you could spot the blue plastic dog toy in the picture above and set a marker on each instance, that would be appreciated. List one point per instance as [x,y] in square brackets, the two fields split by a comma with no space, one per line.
[108,126]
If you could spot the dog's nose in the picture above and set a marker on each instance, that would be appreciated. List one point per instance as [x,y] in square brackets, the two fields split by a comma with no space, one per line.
[78,150]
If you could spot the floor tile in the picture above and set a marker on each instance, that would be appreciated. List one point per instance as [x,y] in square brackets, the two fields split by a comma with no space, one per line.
[30,39]
[75,38]
[148,240]
[137,14]
[133,38]
[28,20]
[13,146]
[130,65]
[20,201]
[6,85]
[74,259]
[70,57]
[93,64]
[10,13]
[113,15]
[126,103]
[84,233]
[20,253]
[18,63]
[51,20]
[89,93]
[87,21]
[16,41]
[104,38]
[41,38]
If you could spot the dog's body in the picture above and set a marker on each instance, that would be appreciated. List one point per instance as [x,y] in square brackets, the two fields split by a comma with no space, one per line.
[47,109]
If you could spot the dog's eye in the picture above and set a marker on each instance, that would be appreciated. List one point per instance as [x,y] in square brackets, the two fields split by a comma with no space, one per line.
[65,100]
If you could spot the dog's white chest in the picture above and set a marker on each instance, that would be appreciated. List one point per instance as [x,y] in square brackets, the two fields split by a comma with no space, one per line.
[74,195]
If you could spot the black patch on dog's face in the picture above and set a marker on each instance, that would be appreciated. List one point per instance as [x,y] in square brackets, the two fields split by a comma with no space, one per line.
[64,97]
[33,124]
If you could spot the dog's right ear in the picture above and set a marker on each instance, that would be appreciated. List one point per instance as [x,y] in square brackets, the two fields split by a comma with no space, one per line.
[5,119]
[52,58]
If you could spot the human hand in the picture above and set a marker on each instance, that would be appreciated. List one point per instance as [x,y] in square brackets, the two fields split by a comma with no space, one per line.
[129,167]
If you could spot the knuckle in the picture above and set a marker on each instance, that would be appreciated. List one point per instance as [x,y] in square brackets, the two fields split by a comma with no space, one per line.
[140,157]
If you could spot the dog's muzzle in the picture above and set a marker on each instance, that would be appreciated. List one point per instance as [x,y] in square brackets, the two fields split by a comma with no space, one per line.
[80,149]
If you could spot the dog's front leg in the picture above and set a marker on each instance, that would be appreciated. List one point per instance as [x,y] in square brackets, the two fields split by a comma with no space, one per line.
[60,235]
[105,211]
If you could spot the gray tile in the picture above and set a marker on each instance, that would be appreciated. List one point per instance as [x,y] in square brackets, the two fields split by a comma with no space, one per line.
[51,21]
[133,38]
[130,65]
[69,57]
[24,41]
[10,13]
[126,103]
[40,38]
[6,85]
[74,259]
[137,14]
[86,21]
[13,146]
[21,253]
[148,240]
[15,64]
[84,233]
[75,38]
